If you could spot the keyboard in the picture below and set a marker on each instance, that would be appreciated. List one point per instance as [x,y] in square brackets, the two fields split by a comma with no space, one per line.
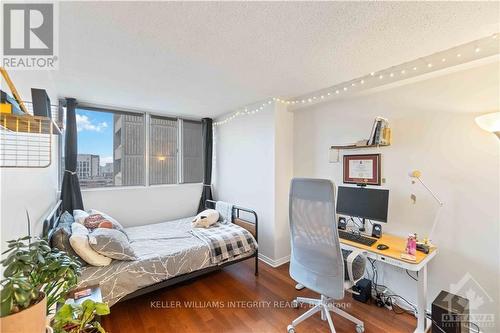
[347,235]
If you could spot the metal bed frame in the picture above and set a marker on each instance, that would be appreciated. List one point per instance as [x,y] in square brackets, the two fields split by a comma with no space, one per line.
[52,220]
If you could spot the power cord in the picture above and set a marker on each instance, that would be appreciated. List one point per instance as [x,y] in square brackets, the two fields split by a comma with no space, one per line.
[414,278]
[354,221]
[394,306]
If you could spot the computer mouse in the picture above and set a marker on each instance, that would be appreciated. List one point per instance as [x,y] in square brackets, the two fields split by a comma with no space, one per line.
[382,247]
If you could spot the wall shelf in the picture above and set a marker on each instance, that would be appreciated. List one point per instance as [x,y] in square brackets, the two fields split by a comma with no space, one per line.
[26,141]
[341,147]
[28,124]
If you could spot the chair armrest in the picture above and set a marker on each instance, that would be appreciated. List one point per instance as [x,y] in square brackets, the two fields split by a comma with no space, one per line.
[350,260]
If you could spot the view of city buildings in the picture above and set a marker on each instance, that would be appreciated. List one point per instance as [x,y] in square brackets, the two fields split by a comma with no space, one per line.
[127,167]
[113,152]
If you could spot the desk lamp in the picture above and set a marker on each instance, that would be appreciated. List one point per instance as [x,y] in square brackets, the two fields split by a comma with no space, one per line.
[416,174]
[490,122]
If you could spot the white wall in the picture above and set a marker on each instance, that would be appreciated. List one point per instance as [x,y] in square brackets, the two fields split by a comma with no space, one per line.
[434,131]
[253,167]
[283,157]
[144,205]
[24,189]
[243,169]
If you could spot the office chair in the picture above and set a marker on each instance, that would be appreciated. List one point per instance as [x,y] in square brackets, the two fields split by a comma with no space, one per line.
[316,259]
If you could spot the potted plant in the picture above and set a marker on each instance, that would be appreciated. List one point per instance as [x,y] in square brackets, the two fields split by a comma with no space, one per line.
[36,277]
[80,318]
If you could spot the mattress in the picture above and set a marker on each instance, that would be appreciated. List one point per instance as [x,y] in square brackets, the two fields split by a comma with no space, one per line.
[164,250]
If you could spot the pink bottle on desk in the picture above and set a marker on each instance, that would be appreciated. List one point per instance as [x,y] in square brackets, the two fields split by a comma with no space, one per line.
[411,244]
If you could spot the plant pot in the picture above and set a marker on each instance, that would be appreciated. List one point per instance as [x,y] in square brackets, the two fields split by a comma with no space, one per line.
[30,320]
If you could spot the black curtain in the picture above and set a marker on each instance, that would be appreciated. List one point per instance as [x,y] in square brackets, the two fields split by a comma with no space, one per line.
[206,194]
[71,195]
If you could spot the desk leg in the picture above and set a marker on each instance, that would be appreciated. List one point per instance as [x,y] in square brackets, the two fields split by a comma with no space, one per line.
[422,325]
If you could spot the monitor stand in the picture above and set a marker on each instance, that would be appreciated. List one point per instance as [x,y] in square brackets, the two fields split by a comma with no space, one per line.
[362,229]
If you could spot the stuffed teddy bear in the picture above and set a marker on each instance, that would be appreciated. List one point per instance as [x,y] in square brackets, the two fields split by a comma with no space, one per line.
[205,219]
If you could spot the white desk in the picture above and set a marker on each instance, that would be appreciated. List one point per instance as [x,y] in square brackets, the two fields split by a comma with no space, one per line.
[391,256]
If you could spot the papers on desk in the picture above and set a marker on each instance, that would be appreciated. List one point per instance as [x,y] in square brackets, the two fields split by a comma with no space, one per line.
[409,257]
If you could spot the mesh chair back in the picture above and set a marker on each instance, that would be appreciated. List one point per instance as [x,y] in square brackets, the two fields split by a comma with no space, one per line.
[316,260]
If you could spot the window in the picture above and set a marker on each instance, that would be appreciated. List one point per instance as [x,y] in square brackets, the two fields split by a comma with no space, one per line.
[163,150]
[175,151]
[112,149]
[192,155]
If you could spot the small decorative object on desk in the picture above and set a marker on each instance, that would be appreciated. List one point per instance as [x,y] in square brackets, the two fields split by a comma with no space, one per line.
[411,244]
[411,248]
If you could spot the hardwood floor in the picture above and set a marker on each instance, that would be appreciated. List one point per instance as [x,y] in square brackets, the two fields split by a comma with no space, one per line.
[234,300]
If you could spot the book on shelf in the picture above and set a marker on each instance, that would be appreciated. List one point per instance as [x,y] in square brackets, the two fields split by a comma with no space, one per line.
[381,133]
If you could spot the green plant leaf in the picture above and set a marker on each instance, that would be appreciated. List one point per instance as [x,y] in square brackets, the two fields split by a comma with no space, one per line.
[102,309]
[98,326]
[65,312]
[5,306]
[10,270]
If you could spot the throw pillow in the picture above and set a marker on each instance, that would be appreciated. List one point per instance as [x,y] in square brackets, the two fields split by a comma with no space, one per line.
[80,215]
[106,224]
[205,219]
[93,221]
[111,243]
[80,243]
[60,237]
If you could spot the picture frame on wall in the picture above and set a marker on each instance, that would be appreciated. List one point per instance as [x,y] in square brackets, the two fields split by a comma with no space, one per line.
[362,169]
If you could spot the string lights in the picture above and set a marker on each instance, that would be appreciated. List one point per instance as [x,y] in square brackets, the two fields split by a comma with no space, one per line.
[475,50]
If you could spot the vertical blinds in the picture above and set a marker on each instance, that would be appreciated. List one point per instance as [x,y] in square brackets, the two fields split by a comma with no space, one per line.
[192,158]
[163,151]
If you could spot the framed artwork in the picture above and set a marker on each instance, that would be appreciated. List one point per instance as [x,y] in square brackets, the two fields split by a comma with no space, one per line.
[362,169]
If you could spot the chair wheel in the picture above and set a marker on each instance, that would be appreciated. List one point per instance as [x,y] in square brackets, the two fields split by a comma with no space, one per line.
[290,329]
[360,328]
[294,304]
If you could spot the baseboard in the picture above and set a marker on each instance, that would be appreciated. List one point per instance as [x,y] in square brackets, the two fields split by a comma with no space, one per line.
[274,263]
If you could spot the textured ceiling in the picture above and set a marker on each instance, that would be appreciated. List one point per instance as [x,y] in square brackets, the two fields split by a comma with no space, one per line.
[205,59]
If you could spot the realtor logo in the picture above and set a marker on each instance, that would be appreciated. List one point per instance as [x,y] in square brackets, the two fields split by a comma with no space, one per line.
[29,35]
[28,29]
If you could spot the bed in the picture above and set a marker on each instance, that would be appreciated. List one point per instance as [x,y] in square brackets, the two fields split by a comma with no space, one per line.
[168,253]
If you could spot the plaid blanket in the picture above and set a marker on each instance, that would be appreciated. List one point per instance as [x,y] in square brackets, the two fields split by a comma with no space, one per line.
[225,241]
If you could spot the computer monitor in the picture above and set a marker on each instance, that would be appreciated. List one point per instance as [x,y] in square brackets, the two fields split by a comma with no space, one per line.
[365,203]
